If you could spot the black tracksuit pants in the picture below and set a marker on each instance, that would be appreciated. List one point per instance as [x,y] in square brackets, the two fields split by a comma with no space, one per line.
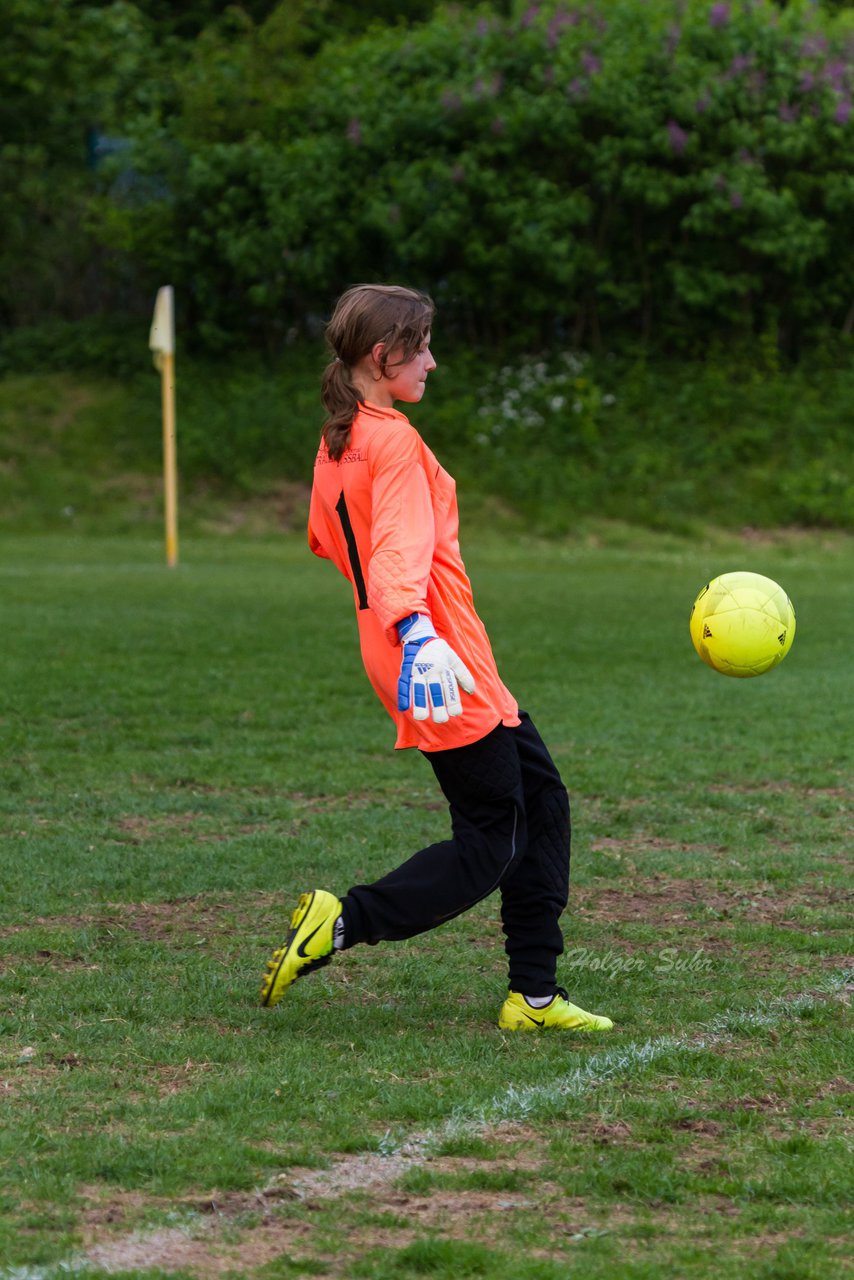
[510,831]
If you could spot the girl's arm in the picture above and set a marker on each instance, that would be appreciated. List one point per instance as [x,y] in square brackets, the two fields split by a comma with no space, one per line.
[403,534]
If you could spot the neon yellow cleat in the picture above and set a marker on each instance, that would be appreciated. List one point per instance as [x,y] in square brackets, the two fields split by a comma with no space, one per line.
[517,1015]
[307,947]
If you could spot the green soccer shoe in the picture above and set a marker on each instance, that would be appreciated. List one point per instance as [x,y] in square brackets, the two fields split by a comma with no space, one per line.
[517,1015]
[307,947]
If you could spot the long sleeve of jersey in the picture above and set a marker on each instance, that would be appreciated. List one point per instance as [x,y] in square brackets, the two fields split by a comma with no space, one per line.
[403,531]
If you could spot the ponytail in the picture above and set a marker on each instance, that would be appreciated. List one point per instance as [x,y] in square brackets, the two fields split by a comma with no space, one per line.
[341,401]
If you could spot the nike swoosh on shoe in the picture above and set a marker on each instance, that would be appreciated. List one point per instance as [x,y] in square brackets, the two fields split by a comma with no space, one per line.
[302,946]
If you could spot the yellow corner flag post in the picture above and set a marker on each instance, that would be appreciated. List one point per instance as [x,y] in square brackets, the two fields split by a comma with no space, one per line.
[162,343]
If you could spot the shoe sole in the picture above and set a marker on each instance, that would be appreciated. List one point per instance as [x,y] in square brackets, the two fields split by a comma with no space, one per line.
[582,1028]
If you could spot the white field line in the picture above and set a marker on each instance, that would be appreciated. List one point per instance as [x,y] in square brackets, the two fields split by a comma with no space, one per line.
[622,1061]
[535,1101]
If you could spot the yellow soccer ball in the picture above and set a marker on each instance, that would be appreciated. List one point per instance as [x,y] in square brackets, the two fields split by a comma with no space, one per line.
[742,624]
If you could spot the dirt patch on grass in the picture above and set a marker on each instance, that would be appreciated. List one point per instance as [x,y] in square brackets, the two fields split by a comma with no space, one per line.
[207,914]
[240,1231]
[50,959]
[517,1149]
[777,788]
[283,506]
[210,1234]
[202,828]
[768,1104]
[638,843]
[201,916]
[172,1079]
[672,901]
[199,1249]
[217,1232]
[838,1085]
[605,1133]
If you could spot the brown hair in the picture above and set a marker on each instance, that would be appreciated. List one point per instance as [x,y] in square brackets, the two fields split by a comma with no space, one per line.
[367,314]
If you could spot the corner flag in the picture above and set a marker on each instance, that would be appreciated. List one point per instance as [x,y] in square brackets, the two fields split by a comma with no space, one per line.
[161,340]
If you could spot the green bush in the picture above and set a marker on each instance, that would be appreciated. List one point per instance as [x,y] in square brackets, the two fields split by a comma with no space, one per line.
[98,344]
[572,173]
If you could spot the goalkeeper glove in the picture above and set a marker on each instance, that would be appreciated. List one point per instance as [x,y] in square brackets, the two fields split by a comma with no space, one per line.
[430,674]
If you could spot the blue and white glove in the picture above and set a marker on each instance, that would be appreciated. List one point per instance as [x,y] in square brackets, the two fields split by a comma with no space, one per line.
[431,673]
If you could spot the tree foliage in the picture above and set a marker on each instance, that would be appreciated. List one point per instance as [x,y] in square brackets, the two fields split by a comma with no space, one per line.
[64,69]
[653,171]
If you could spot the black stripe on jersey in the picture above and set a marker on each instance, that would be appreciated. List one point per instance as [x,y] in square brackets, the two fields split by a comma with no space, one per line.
[352,551]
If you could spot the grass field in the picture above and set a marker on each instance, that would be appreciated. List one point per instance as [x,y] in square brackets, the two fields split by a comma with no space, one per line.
[186,751]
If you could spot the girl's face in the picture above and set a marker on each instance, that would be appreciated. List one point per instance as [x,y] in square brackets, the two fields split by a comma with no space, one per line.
[400,381]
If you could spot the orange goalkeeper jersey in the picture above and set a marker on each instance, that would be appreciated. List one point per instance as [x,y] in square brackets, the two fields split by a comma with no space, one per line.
[385,514]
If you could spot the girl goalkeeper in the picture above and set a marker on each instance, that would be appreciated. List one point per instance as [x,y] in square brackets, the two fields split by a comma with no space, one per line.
[385,513]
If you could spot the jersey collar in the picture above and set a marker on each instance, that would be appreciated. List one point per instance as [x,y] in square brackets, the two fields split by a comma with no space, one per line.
[377,411]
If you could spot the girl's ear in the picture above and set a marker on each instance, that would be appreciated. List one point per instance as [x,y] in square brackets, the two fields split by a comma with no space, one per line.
[376,354]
